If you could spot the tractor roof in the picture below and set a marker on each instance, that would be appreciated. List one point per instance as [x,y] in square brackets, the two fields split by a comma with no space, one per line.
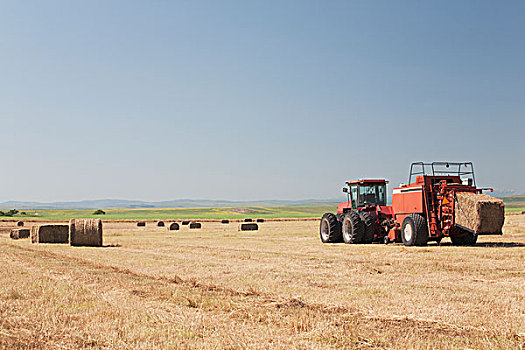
[367,181]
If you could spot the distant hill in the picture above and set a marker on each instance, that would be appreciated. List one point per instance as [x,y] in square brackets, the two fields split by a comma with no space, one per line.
[514,201]
[510,201]
[180,203]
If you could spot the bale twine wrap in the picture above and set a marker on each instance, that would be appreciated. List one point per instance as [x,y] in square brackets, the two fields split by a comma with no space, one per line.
[478,212]
[160,223]
[174,226]
[85,232]
[18,233]
[20,223]
[195,225]
[260,220]
[248,220]
[248,227]
[50,234]
[141,224]
[225,221]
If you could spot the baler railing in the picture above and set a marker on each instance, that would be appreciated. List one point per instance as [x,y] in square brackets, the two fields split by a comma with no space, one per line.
[434,169]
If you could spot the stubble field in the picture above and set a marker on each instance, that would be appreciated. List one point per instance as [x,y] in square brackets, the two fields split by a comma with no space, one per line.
[276,288]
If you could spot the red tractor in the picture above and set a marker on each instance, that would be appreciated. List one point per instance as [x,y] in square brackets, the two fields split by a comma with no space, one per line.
[424,210]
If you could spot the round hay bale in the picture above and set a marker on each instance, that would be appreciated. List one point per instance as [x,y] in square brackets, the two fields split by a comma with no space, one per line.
[20,223]
[248,220]
[195,225]
[260,220]
[50,233]
[141,224]
[160,223]
[185,222]
[174,226]
[23,233]
[85,232]
[225,221]
[248,227]
[18,233]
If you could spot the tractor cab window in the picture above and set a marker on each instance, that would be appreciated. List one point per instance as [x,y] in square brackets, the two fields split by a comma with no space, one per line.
[371,195]
[367,195]
[353,196]
[381,195]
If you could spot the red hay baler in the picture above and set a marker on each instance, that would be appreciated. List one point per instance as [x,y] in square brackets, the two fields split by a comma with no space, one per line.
[422,211]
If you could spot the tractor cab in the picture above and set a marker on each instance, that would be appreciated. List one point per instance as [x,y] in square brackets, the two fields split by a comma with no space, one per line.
[365,193]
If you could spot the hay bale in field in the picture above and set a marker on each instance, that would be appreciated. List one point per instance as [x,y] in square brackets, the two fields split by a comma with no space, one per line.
[85,232]
[50,234]
[248,227]
[195,225]
[18,233]
[479,212]
[248,220]
[225,221]
[20,223]
[160,224]
[185,222]
[260,220]
[174,226]
[141,224]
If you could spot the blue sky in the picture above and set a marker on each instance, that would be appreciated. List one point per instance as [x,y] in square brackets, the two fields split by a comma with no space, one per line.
[241,100]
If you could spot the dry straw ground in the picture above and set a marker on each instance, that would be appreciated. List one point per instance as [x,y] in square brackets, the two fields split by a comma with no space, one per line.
[276,288]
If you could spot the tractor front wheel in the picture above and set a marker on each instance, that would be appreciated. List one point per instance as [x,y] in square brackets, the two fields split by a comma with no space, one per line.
[414,230]
[353,228]
[330,229]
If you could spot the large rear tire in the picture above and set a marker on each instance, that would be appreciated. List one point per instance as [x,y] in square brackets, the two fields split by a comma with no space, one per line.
[370,226]
[414,230]
[330,229]
[468,239]
[353,228]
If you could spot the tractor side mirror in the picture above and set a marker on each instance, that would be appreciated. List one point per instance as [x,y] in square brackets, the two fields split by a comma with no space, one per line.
[345,189]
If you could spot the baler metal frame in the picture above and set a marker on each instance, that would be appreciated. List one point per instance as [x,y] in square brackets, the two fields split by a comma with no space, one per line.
[433,166]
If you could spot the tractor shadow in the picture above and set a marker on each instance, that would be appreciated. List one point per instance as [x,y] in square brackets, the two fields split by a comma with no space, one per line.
[491,245]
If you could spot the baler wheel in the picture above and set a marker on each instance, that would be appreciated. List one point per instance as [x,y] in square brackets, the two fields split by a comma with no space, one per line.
[330,229]
[370,226]
[353,228]
[468,239]
[414,230]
